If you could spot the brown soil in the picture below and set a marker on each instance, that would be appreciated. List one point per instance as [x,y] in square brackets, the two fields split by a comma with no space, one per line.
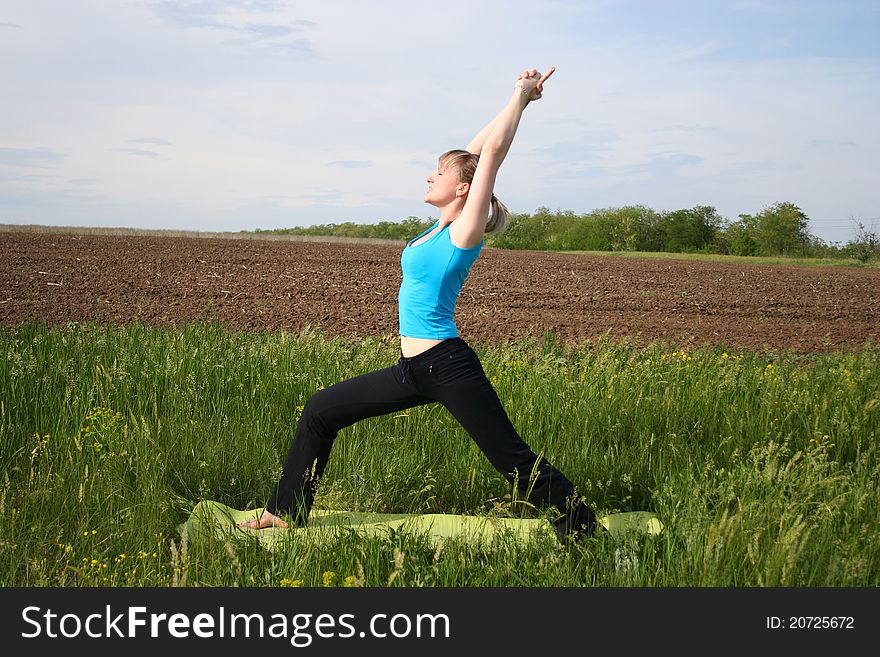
[350,288]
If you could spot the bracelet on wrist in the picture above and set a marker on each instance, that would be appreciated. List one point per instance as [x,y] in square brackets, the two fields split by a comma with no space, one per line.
[523,89]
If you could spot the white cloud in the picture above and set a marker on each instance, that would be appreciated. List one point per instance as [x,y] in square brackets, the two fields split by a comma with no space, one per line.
[350,164]
[156,141]
[30,157]
[139,152]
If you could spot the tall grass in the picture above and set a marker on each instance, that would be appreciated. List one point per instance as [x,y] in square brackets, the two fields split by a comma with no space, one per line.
[763,467]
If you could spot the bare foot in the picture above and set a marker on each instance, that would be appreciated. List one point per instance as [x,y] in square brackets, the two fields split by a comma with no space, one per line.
[265,520]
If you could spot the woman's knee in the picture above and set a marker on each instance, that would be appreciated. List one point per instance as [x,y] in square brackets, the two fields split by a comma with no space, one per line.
[314,406]
[318,409]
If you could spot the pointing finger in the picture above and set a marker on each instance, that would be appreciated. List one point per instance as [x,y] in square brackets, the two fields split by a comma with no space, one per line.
[546,75]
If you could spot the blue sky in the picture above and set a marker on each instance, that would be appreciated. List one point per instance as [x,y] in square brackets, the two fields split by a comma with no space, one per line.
[245,114]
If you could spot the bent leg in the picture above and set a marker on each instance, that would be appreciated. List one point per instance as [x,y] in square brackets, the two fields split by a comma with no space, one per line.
[326,412]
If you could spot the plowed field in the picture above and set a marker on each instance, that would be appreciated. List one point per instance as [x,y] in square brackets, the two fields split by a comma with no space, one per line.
[350,288]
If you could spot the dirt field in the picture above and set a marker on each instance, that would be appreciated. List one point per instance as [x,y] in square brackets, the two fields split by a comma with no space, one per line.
[351,288]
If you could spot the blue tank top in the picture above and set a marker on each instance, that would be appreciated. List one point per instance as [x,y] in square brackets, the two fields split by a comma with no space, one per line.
[433,273]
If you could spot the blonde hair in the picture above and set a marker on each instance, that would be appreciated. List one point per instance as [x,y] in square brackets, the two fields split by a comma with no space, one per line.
[466,165]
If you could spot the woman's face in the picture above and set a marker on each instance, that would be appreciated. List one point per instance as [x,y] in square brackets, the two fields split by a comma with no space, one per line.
[443,186]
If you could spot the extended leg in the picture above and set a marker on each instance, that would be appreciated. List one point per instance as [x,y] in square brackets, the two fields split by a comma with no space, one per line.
[468,394]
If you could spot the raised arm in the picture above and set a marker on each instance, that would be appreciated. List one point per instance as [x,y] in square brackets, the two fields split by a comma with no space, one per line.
[492,143]
[476,144]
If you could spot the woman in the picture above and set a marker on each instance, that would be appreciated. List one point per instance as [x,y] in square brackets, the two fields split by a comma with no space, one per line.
[435,364]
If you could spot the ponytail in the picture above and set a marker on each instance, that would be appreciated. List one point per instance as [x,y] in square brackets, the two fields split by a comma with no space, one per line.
[498,216]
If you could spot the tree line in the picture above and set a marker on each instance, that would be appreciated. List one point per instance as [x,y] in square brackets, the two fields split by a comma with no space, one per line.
[781,229]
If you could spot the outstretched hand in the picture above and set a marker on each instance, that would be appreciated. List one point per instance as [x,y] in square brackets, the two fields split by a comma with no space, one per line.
[532,82]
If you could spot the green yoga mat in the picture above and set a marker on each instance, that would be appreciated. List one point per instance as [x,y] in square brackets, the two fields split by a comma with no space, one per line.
[210,517]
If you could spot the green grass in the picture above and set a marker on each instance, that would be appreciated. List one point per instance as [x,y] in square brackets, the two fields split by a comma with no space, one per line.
[763,467]
[746,260]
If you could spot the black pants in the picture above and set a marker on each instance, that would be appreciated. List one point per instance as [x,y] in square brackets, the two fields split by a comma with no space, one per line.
[449,373]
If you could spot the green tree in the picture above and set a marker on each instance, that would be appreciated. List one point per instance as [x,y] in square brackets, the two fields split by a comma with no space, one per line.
[629,227]
[688,230]
[741,236]
[782,229]
[866,245]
